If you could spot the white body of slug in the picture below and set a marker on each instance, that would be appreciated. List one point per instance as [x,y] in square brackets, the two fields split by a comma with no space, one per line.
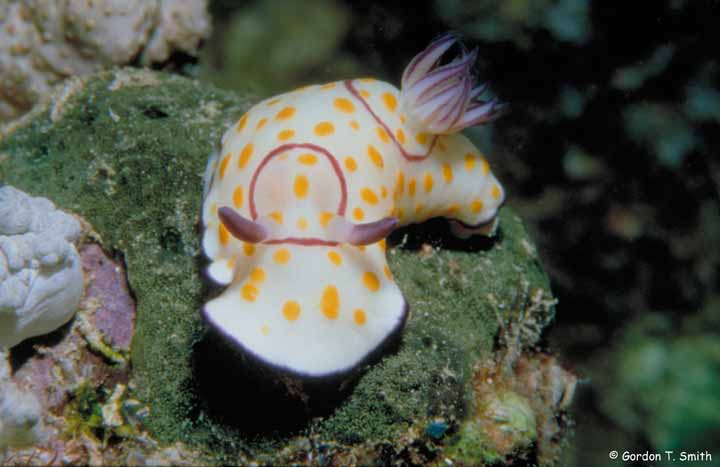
[304,167]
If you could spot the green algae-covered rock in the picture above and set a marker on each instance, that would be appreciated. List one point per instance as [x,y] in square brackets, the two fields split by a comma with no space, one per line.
[126,150]
[515,419]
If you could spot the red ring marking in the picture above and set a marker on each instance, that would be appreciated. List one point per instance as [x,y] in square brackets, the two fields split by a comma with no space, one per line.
[304,241]
[287,147]
[410,157]
[309,241]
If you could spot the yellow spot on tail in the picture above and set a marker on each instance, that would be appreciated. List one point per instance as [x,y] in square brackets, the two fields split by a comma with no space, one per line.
[359,317]
[399,184]
[484,166]
[388,273]
[325,217]
[302,223]
[375,157]
[476,206]
[400,135]
[324,129]
[257,275]
[307,159]
[418,208]
[371,281]
[469,162]
[422,138]
[364,93]
[285,113]
[242,122]
[350,164]
[411,187]
[369,196]
[495,192]
[291,310]
[301,186]
[231,264]
[354,125]
[328,86]
[285,135]
[382,244]
[367,80]
[249,249]
[403,118]
[428,182]
[265,330]
[223,234]
[382,134]
[390,101]
[358,214]
[330,302]
[238,196]
[214,209]
[245,155]
[335,258]
[249,292]
[344,105]
[400,213]
[281,256]
[276,216]
[383,191]
[224,164]
[272,102]
[447,173]
[261,123]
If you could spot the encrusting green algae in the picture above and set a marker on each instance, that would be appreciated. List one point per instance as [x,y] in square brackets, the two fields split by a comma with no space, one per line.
[126,150]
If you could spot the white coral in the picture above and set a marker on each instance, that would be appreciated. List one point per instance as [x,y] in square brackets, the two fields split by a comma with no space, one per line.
[181,26]
[41,278]
[42,42]
[19,411]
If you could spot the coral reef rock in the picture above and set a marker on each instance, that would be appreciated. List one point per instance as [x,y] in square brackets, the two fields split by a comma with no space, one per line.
[42,42]
[41,279]
[134,143]
[79,378]
[19,410]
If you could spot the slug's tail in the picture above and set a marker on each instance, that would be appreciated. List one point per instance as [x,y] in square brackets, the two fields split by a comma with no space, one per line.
[444,99]
[311,310]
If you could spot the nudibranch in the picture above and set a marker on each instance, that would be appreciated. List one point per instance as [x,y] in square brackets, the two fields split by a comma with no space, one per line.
[304,189]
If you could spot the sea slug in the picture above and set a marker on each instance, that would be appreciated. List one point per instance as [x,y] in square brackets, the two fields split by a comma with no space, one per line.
[306,186]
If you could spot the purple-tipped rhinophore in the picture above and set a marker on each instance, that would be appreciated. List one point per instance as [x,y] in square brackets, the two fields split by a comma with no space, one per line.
[240,227]
[445,99]
[343,231]
[366,234]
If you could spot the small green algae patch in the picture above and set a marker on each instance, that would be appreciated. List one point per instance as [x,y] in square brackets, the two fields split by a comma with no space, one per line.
[126,150]
[514,427]
[84,412]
